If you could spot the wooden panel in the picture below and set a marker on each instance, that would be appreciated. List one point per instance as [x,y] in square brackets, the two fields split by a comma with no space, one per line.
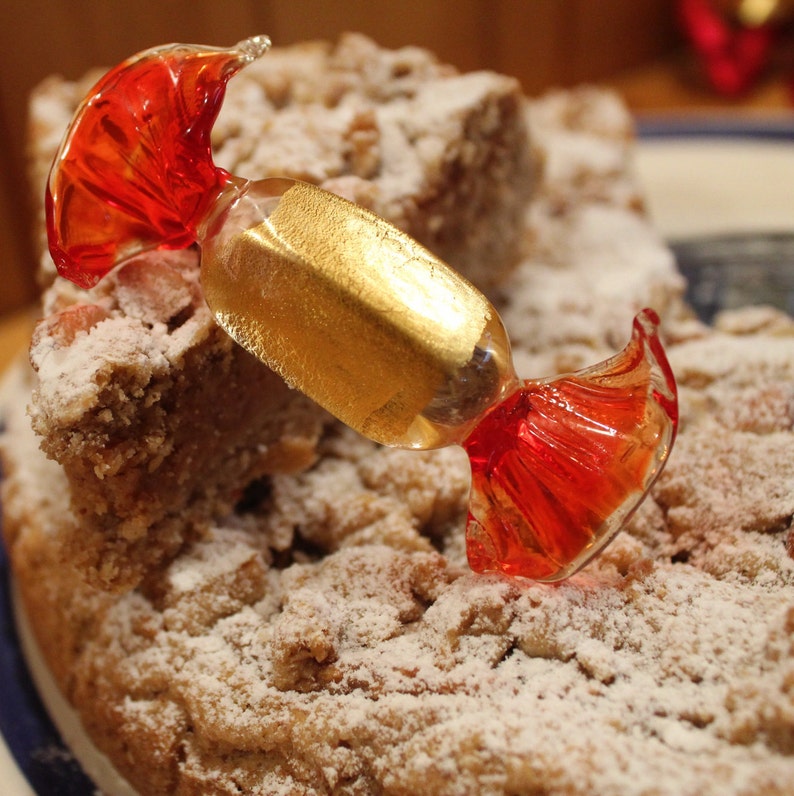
[543,42]
[548,43]
[611,35]
[527,40]
[451,30]
[18,283]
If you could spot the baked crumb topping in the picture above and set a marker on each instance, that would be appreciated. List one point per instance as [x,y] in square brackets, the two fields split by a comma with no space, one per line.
[325,636]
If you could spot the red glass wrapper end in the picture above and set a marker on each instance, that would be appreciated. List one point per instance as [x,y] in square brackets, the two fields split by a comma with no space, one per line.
[560,465]
[135,170]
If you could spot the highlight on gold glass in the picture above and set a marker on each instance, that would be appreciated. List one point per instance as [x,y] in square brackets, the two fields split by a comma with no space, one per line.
[361,317]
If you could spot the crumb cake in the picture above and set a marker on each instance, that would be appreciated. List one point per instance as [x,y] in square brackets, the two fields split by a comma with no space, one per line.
[320,633]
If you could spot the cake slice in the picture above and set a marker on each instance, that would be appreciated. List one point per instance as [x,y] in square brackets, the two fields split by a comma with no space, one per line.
[158,419]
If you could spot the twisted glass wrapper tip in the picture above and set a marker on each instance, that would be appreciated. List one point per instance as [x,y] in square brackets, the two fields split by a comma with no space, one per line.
[134,171]
[360,317]
[560,465]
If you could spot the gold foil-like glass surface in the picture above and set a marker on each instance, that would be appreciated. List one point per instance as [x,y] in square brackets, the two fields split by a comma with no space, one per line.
[353,312]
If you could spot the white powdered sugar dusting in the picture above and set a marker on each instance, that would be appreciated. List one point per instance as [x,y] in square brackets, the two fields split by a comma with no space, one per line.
[327,637]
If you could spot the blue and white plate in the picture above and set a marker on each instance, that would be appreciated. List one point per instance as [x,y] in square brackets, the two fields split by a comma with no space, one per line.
[721,192]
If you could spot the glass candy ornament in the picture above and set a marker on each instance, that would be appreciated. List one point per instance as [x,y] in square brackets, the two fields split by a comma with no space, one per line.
[360,317]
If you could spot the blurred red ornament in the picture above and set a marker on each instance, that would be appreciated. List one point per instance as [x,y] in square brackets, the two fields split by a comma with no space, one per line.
[733,54]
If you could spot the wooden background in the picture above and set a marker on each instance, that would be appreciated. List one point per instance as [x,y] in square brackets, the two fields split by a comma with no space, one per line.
[544,43]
